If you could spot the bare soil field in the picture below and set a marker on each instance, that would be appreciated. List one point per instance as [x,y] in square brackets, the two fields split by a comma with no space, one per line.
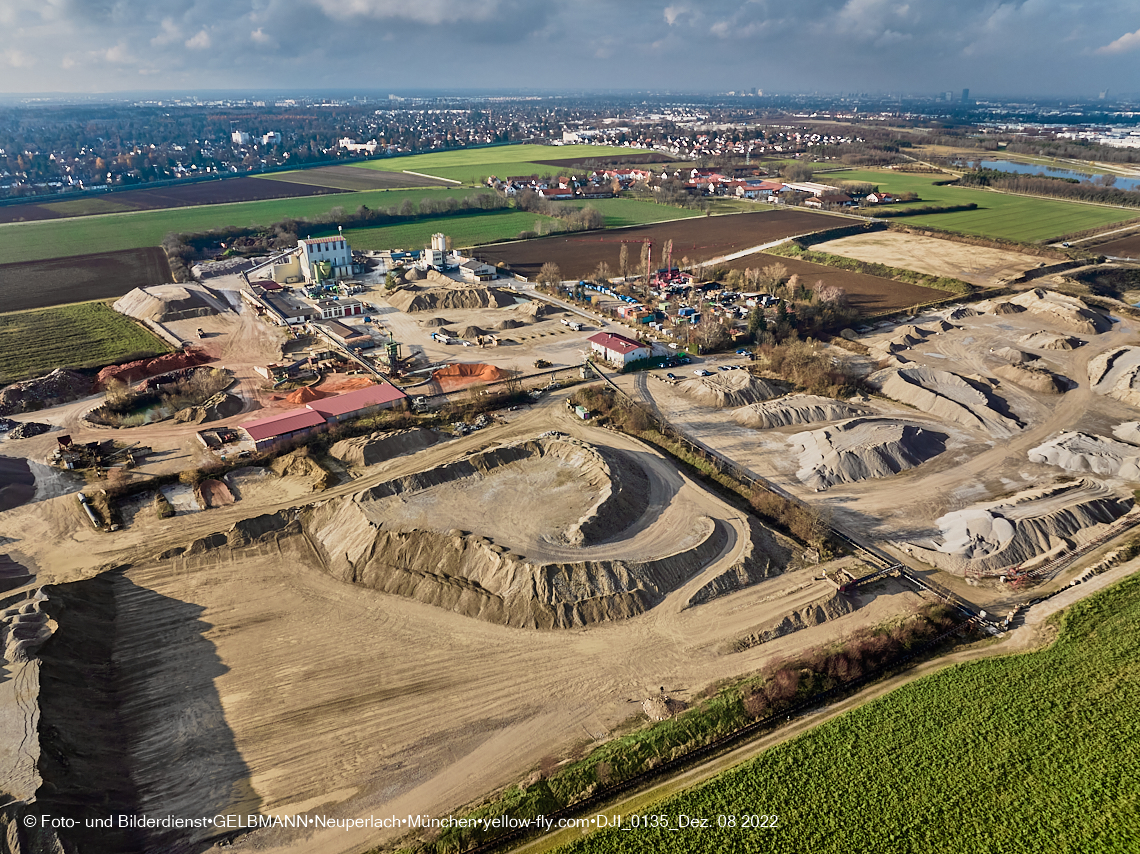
[353,178]
[869,294]
[1124,247]
[617,159]
[699,239]
[977,265]
[178,196]
[40,284]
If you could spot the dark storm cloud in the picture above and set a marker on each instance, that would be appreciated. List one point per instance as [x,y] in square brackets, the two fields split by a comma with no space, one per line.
[1036,46]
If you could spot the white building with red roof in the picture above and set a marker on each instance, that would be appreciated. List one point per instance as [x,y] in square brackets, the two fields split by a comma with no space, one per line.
[618,350]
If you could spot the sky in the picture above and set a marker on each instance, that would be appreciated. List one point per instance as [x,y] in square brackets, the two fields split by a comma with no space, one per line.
[1066,48]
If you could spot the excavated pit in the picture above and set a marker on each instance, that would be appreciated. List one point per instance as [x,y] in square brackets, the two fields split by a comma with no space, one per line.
[863,448]
[990,537]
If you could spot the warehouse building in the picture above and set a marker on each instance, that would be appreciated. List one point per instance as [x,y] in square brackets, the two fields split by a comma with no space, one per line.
[321,414]
[618,350]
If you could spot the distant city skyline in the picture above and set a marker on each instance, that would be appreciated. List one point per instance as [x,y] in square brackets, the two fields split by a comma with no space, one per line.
[1040,48]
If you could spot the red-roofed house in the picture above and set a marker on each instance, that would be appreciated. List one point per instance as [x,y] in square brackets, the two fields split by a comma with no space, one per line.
[267,432]
[356,403]
[617,349]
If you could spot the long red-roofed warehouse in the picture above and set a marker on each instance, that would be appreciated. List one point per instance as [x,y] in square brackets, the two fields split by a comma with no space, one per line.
[617,349]
[267,432]
[319,414]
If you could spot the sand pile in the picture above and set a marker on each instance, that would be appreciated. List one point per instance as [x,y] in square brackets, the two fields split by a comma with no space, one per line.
[961,313]
[1036,522]
[471,333]
[537,308]
[946,395]
[936,326]
[162,303]
[413,274]
[378,447]
[137,370]
[765,555]
[305,394]
[1034,379]
[824,609]
[728,389]
[863,448]
[509,323]
[1042,340]
[436,322]
[58,387]
[215,493]
[221,405]
[1082,452]
[661,708]
[299,464]
[1000,308]
[457,297]
[1117,374]
[12,574]
[1128,432]
[451,377]
[1013,355]
[1062,310]
[794,409]
[17,487]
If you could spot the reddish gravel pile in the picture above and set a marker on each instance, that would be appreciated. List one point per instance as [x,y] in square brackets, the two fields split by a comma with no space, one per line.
[305,395]
[132,371]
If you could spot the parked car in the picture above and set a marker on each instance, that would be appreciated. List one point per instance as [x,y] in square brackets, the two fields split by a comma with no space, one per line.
[671,376]
[701,372]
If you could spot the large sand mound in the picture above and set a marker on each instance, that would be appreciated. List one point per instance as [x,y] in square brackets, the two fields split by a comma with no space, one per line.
[305,394]
[456,376]
[436,322]
[1081,452]
[1013,355]
[471,333]
[728,389]
[1033,523]
[537,308]
[794,409]
[1042,340]
[1128,432]
[221,405]
[378,447]
[162,303]
[1062,310]
[830,607]
[1034,379]
[1117,374]
[863,448]
[438,299]
[946,395]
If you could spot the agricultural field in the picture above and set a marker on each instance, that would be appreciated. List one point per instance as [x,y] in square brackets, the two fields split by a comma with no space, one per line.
[40,284]
[1026,218]
[620,213]
[868,294]
[470,165]
[464,230]
[1123,247]
[161,198]
[89,334]
[698,238]
[353,178]
[35,241]
[1033,752]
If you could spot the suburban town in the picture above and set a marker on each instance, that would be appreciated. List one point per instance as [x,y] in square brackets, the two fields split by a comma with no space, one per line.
[692,467]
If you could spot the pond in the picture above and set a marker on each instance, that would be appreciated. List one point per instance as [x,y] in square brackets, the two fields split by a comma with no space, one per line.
[1050,171]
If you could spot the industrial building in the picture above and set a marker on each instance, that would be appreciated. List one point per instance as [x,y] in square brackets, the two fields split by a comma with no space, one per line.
[267,432]
[618,350]
[354,404]
[321,414]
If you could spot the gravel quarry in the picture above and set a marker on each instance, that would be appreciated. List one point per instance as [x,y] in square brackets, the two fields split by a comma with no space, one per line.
[863,448]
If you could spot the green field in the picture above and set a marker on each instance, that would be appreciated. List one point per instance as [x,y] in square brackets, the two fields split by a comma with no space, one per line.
[463,229]
[1026,218]
[1035,752]
[60,238]
[86,334]
[469,165]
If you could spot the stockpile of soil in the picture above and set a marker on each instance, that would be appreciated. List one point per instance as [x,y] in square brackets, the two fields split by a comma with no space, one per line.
[949,396]
[472,333]
[162,303]
[1035,522]
[827,608]
[1042,340]
[452,377]
[1117,374]
[794,409]
[221,405]
[438,299]
[961,313]
[1063,310]
[509,323]
[305,394]
[728,389]
[1001,308]
[299,464]
[1034,379]
[661,708]
[12,574]
[58,387]
[1082,452]
[537,308]
[413,274]
[1013,355]
[28,429]
[863,448]
[1128,432]
[215,493]
[132,371]
[339,385]
[436,322]
[378,447]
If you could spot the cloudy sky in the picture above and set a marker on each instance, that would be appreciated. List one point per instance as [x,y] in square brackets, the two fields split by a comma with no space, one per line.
[1044,47]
